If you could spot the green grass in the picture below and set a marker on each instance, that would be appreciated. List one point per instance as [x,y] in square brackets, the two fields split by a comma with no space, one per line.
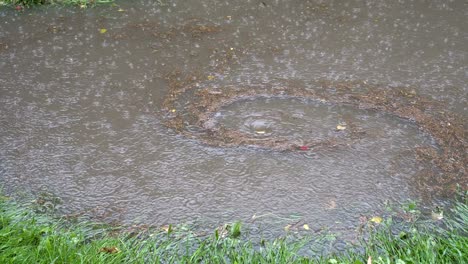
[423,243]
[30,237]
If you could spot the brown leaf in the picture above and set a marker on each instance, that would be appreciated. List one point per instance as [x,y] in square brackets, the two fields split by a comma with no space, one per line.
[110,250]
[331,205]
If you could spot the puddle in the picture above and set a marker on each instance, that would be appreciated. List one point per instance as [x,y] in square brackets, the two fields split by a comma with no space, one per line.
[303,120]
[86,97]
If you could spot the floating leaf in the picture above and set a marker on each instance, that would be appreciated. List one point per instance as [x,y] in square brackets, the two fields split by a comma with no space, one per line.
[110,250]
[340,127]
[306,227]
[436,216]
[210,77]
[102,30]
[412,206]
[331,205]
[376,219]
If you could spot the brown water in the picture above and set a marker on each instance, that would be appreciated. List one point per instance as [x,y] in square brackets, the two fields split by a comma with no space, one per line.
[80,108]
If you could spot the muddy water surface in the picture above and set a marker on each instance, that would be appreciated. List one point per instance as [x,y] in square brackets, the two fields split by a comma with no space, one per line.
[82,92]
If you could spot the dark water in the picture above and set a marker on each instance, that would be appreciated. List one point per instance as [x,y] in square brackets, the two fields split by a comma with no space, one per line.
[81,94]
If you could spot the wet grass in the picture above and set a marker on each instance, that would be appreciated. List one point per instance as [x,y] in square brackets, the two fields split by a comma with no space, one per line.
[30,237]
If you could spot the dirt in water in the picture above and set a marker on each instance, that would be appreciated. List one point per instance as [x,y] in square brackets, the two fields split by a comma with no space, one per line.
[448,158]
[207,112]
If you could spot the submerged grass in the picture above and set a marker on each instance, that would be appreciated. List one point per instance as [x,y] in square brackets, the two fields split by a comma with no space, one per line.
[30,237]
[426,243]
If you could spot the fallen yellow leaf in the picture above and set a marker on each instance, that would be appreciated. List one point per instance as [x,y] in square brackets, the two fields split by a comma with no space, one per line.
[286,228]
[102,30]
[340,127]
[210,77]
[260,131]
[306,226]
[173,110]
[121,10]
[376,219]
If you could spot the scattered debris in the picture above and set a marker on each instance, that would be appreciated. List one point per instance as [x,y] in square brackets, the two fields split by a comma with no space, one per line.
[376,219]
[331,205]
[448,157]
[444,163]
[340,127]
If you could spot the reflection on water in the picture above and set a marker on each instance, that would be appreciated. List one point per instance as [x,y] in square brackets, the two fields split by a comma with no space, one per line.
[79,105]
